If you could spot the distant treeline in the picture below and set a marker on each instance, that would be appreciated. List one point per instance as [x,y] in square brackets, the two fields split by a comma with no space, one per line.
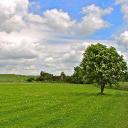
[47,77]
[76,78]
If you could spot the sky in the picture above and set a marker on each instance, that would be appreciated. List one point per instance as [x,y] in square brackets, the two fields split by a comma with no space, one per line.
[52,35]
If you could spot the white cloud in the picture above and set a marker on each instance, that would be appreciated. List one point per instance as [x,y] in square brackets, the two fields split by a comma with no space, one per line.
[49,60]
[75,54]
[33,18]
[17,50]
[124,8]
[73,57]
[14,16]
[125,55]
[93,19]
[121,1]
[80,46]
[58,20]
[29,42]
[12,13]
[123,39]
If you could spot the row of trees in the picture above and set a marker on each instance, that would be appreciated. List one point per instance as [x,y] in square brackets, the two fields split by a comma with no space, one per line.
[47,77]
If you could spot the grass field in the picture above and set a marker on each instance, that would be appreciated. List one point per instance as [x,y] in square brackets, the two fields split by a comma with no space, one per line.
[55,105]
[14,78]
[123,86]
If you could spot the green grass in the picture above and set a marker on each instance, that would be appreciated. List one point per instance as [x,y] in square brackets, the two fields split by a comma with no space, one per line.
[123,86]
[14,78]
[56,105]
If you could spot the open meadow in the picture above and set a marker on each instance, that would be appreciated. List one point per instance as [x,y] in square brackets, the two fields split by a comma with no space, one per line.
[14,78]
[58,105]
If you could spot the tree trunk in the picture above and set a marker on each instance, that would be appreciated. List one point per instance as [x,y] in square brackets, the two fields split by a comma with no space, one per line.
[102,88]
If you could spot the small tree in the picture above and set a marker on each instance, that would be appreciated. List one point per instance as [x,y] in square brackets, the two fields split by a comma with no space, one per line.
[103,65]
[62,76]
[30,80]
[77,75]
[42,73]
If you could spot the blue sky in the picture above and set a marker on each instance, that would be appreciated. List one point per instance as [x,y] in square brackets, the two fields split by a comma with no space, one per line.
[51,35]
[73,7]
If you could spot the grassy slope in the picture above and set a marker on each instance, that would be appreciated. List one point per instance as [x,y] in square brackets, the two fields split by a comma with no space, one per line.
[123,86]
[61,105]
[14,78]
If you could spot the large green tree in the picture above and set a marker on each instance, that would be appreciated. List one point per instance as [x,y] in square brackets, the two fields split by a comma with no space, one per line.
[103,65]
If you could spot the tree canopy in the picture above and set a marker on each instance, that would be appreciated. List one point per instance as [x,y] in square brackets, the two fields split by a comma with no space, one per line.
[103,65]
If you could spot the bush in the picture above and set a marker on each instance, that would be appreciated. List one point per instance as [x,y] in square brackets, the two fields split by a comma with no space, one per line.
[30,80]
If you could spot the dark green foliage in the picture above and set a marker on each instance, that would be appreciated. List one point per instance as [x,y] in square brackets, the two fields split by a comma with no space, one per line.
[103,65]
[67,79]
[51,78]
[62,76]
[77,76]
[44,76]
[39,78]
[126,78]
[30,80]
[56,78]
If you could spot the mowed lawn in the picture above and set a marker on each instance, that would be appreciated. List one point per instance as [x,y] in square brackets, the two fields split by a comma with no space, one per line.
[55,105]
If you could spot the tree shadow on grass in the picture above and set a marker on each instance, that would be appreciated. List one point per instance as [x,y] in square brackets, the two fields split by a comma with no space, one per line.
[86,94]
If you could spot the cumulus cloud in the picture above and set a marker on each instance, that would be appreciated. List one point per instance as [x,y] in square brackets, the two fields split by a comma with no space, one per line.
[123,39]
[125,57]
[22,66]
[14,16]
[93,19]
[64,61]
[12,13]
[26,43]
[58,20]
[54,19]
[124,8]
[75,54]
[18,57]
[73,57]
[33,18]
[17,50]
